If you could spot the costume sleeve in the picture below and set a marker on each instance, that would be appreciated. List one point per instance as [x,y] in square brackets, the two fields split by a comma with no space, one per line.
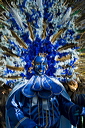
[15,116]
[69,110]
[78,99]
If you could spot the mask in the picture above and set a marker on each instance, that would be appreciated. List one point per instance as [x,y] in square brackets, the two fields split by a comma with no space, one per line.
[40,65]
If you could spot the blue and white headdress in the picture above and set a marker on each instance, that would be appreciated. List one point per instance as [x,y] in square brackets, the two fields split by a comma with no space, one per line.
[33,27]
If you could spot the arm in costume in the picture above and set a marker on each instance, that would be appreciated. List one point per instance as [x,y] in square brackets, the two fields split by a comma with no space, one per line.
[78,99]
[69,110]
[76,92]
[16,118]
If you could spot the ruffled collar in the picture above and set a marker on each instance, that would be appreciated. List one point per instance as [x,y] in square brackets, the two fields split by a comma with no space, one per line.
[43,86]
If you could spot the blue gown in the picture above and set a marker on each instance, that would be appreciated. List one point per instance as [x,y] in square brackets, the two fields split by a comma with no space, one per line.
[39,102]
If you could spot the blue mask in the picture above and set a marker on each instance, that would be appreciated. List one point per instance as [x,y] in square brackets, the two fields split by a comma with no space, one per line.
[40,65]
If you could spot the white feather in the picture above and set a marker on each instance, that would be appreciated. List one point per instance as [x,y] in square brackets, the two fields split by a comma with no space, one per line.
[17,17]
[39,3]
[66,16]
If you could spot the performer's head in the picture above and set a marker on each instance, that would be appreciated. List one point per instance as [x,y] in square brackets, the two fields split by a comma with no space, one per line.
[40,64]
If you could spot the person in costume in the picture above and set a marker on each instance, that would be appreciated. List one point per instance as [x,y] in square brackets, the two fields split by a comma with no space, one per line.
[76,91]
[4,91]
[40,102]
[30,28]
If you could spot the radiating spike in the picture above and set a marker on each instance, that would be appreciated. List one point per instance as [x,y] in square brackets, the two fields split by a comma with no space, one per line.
[83,73]
[57,35]
[5,16]
[81,31]
[76,12]
[8,51]
[71,45]
[65,76]
[11,77]
[15,68]
[19,40]
[81,66]
[10,54]
[5,37]
[81,60]
[78,6]
[82,54]
[80,70]
[79,40]
[1,63]
[82,35]
[5,49]
[44,30]
[2,17]
[31,31]
[2,22]
[64,3]
[64,58]
[80,18]
[66,66]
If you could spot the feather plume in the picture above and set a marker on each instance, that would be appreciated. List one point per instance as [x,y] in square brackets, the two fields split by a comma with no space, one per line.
[8,51]
[70,45]
[39,3]
[21,43]
[46,27]
[64,58]
[44,30]
[5,37]
[9,54]
[31,31]
[11,77]
[2,22]
[15,68]
[66,16]
[16,16]
[78,6]
[55,36]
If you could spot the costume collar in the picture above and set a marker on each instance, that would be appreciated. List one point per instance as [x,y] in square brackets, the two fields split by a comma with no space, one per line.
[43,86]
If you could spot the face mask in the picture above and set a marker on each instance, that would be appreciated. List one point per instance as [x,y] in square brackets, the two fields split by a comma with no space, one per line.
[40,65]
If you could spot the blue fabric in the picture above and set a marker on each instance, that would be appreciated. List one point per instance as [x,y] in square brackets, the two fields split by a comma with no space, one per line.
[22,114]
[79,99]
[43,84]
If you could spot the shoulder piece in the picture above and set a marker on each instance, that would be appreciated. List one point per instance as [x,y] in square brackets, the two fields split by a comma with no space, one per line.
[17,87]
[43,86]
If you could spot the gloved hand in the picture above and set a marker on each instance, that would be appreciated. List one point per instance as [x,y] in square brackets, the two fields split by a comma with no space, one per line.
[77,113]
[83,111]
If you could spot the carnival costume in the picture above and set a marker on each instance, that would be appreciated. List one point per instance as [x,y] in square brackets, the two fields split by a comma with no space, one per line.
[40,102]
[36,35]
